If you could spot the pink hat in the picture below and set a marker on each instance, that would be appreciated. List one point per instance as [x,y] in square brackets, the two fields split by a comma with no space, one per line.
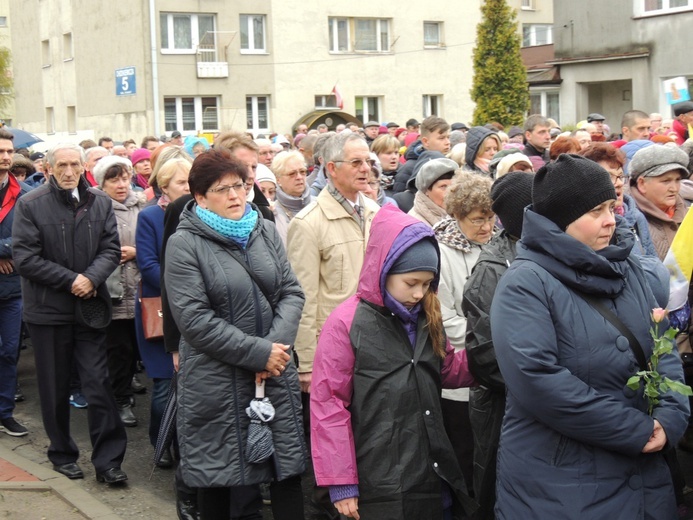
[140,155]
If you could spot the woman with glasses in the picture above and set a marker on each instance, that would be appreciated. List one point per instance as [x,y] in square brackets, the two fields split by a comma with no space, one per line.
[293,193]
[237,304]
[375,190]
[432,182]
[461,239]
[612,159]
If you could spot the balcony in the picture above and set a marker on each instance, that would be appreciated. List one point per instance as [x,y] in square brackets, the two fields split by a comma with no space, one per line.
[213,46]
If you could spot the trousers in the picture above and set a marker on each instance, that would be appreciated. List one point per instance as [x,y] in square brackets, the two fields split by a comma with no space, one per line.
[55,348]
[10,337]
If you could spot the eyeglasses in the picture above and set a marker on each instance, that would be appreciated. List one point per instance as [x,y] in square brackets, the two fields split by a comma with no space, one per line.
[480,222]
[616,175]
[301,171]
[374,185]
[239,188]
[357,163]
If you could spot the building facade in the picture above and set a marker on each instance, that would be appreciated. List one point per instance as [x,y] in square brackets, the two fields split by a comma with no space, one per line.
[134,68]
[615,56]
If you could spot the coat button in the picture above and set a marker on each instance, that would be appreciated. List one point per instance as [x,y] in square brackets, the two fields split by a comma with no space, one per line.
[635,482]
[435,464]
[622,343]
[428,412]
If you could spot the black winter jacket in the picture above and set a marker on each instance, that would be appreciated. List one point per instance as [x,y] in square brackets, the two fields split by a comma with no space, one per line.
[9,283]
[55,240]
[219,310]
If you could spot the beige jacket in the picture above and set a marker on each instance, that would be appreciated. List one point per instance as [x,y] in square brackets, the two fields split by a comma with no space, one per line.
[325,247]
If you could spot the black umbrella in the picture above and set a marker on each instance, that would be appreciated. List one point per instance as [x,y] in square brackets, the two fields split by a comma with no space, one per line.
[259,446]
[22,138]
[167,430]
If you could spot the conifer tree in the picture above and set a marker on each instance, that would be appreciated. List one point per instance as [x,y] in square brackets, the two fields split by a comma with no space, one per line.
[499,88]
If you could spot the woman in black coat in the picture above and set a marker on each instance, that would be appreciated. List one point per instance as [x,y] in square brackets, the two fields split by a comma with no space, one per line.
[236,330]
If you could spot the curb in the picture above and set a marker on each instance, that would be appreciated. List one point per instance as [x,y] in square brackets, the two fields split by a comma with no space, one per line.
[58,484]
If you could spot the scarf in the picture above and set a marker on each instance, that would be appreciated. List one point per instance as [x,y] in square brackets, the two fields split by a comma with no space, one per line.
[11,194]
[141,181]
[351,210]
[482,164]
[429,210]
[163,201]
[292,205]
[448,232]
[237,230]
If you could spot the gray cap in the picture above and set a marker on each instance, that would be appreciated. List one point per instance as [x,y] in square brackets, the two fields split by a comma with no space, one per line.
[594,116]
[371,123]
[657,160]
[433,170]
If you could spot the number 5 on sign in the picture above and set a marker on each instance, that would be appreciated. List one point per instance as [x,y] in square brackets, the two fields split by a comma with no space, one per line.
[125,81]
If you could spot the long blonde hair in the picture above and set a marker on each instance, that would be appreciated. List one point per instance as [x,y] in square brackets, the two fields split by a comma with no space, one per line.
[434,321]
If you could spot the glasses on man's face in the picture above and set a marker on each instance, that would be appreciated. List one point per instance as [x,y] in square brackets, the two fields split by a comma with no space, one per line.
[480,222]
[301,171]
[224,189]
[357,163]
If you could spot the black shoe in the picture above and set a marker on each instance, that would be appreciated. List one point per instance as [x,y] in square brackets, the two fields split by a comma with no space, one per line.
[18,395]
[187,509]
[71,470]
[112,476]
[12,427]
[126,415]
[136,386]
[166,460]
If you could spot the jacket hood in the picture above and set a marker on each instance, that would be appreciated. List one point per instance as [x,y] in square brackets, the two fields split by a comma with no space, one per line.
[414,150]
[475,137]
[572,262]
[392,233]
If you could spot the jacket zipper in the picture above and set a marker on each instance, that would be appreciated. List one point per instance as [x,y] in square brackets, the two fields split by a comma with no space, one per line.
[64,239]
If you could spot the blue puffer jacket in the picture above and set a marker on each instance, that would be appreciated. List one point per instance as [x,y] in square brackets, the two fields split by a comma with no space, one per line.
[9,283]
[573,433]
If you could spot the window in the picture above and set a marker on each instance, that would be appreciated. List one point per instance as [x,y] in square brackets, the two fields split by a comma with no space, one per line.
[50,120]
[67,47]
[191,113]
[664,5]
[528,5]
[359,35]
[181,33]
[46,53]
[257,113]
[3,21]
[432,105]
[433,34]
[368,108]
[71,119]
[253,33]
[536,34]
[545,102]
[327,101]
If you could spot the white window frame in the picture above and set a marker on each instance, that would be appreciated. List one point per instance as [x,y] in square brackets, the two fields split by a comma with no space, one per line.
[367,116]
[639,10]
[527,5]
[255,117]
[251,34]
[326,102]
[544,104]
[333,30]
[194,32]
[533,27]
[429,100]
[198,111]
[441,40]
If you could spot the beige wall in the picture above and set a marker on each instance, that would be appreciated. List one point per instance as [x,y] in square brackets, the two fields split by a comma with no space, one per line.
[7,113]
[297,66]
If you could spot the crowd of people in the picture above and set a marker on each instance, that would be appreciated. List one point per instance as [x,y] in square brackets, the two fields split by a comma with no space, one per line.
[443,317]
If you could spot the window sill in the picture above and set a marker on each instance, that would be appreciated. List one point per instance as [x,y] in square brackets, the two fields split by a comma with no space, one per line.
[65,60]
[46,66]
[661,12]
[440,46]
[367,53]
[178,51]
[260,53]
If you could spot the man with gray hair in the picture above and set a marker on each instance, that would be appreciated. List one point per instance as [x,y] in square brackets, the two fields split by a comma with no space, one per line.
[326,243]
[65,245]
[91,157]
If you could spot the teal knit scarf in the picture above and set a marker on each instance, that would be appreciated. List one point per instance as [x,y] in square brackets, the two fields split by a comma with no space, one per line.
[236,230]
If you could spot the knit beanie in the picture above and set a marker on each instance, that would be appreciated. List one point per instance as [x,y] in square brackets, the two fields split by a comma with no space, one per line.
[568,188]
[101,167]
[263,173]
[140,155]
[420,256]
[511,194]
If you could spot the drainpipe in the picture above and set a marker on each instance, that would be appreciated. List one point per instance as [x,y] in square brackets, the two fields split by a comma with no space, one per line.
[155,67]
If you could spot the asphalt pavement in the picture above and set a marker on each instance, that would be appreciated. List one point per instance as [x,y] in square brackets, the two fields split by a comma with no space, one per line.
[148,495]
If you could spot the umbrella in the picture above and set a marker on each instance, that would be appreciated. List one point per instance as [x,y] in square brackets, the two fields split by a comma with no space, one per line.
[259,446]
[167,430]
[22,138]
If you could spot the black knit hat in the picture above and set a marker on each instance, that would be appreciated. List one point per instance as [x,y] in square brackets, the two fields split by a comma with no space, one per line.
[511,194]
[568,188]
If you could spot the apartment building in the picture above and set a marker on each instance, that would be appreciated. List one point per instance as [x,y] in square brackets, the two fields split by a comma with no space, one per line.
[132,68]
[614,56]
